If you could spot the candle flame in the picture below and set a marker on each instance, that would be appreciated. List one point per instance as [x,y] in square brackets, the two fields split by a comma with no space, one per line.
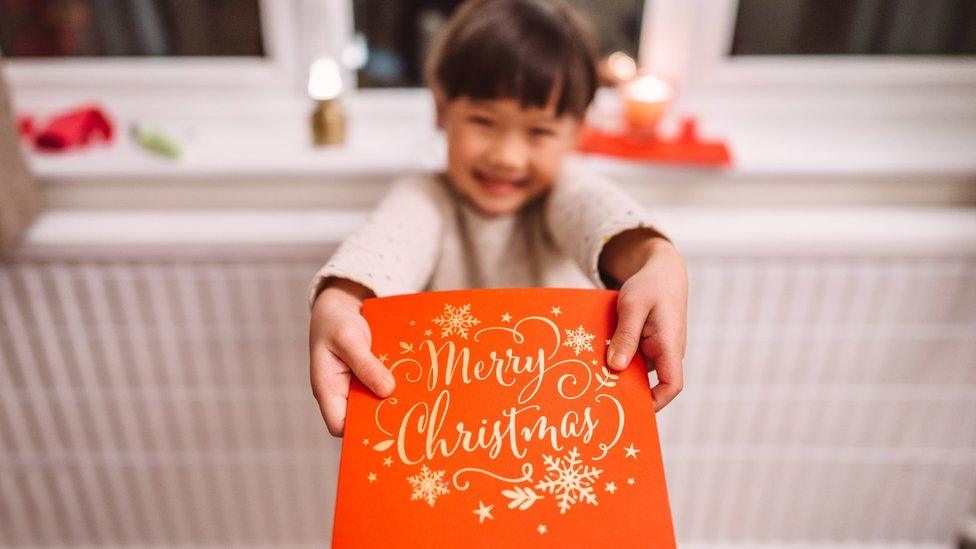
[324,79]
[622,66]
[650,89]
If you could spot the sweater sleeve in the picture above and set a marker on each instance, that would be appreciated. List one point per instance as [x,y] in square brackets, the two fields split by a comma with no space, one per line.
[584,210]
[395,251]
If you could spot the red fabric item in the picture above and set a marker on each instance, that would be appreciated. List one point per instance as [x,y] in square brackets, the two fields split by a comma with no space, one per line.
[26,126]
[686,148]
[75,128]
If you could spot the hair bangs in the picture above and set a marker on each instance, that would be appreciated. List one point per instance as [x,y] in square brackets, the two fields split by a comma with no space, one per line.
[525,52]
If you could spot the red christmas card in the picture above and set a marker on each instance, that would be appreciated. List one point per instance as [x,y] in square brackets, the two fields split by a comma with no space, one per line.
[506,428]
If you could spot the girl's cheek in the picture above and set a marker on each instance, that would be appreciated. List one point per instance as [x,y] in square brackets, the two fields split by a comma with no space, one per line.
[473,148]
[551,162]
[459,145]
[549,156]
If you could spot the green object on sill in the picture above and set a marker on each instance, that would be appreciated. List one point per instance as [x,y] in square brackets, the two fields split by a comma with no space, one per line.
[157,142]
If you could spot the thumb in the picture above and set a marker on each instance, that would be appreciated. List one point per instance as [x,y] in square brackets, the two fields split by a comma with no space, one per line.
[630,321]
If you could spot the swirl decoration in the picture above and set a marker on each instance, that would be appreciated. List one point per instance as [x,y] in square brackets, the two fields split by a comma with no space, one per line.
[573,378]
[420,368]
[526,476]
[605,448]
[519,337]
[376,414]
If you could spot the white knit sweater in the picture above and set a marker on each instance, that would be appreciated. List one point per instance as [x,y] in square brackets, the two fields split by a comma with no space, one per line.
[423,235]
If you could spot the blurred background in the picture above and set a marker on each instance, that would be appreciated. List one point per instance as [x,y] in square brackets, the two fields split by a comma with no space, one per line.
[172,173]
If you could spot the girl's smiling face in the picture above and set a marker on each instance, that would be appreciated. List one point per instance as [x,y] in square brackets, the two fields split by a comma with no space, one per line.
[502,155]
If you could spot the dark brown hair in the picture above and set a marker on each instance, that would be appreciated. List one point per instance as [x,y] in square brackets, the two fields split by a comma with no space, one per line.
[516,49]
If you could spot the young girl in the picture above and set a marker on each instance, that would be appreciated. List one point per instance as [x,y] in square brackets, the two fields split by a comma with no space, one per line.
[512,80]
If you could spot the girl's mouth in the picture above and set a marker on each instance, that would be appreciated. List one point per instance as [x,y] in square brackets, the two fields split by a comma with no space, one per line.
[498,186]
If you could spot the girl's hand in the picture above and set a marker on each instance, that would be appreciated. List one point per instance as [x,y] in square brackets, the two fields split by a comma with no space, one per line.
[339,341]
[651,309]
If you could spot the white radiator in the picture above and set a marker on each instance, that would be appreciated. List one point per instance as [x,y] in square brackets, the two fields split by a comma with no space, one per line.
[154,384]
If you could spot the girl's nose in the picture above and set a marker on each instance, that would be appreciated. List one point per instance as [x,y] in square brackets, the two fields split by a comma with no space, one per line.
[508,153]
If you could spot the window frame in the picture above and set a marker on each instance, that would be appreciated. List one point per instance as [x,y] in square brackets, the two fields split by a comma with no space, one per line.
[689,42]
[294,33]
[686,41]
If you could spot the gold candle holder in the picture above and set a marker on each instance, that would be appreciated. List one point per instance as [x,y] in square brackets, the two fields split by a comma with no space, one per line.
[324,88]
[328,123]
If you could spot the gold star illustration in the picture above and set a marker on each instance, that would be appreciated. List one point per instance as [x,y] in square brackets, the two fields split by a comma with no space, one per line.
[631,481]
[383,358]
[506,317]
[388,461]
[631,451]
[611,487]
[593,362]
[413,322]
[556,311]
[427,333]
[542,529]
[483,511]
[371,477]
[607,341]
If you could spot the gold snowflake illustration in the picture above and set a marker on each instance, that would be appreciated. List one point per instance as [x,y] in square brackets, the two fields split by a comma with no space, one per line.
[427,485]
[579,340]
[456,320]
[569,480]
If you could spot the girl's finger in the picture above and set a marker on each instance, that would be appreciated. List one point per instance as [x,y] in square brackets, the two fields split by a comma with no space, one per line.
[352,347]
[330,385]
[631,315]
[334,413]
[665,359]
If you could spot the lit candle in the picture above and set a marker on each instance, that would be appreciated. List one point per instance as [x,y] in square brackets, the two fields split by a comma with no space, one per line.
[645,100]
[324,87]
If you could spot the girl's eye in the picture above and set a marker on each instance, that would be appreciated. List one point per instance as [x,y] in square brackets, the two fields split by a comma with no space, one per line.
[481,121]
[541,132]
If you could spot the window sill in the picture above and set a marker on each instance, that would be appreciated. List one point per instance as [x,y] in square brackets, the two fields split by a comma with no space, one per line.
[387,134]
[783,157]
[704,231]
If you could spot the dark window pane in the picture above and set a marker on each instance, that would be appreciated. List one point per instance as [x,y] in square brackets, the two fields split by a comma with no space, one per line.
[856,27]
[399,33]
[96,28]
